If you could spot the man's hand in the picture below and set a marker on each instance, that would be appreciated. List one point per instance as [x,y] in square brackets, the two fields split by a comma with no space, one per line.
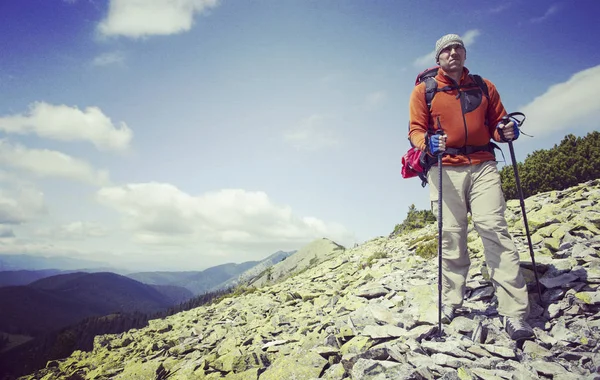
[436,144]
[508,132]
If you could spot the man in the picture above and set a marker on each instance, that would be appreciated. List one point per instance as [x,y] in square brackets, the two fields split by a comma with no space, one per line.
[471,183]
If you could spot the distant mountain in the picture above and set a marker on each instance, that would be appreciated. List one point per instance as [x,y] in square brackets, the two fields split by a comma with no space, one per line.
[198,282]
[24,277]
[175,294]
[309,256]
[31,262]
[61,300]
[254,271]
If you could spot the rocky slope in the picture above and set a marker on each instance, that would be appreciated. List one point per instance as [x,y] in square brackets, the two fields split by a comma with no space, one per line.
[371,313]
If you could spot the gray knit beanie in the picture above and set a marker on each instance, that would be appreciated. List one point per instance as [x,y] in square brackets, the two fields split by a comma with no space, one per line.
[445,41]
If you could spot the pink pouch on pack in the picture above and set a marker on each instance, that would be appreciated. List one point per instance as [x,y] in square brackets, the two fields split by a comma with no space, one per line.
[411,164]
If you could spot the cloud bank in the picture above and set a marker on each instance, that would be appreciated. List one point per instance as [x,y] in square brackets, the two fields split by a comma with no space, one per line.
[161,214]
[60,122]
[45,163]
[567,105]
[19,203]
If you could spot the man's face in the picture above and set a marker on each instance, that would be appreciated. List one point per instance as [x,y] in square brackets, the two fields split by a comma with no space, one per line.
[452,58]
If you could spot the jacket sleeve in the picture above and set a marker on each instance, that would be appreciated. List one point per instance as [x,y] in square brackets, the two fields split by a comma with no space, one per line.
[495,111]
[418,117]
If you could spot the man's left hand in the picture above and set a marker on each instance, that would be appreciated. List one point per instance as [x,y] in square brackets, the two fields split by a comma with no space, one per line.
[509,132]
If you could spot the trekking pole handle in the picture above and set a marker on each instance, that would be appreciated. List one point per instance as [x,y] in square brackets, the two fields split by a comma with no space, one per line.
[517,117]
[439,131]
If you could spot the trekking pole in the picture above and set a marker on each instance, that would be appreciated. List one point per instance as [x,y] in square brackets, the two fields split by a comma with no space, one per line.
[440,225]
[507,119]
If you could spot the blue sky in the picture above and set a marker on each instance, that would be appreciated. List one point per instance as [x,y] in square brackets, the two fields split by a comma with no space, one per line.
[161,135]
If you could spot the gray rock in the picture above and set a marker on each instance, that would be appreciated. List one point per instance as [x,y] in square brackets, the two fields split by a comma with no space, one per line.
[463,324]
[452,348]
[558,281]
[549,368]
[421,332]
[482,293]
[382,314]
[451,361]
[536,351]
[373,369]
[370,292]
[488,374]
[383,332]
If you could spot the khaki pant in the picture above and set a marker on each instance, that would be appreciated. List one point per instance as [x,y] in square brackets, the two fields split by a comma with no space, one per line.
[477,189]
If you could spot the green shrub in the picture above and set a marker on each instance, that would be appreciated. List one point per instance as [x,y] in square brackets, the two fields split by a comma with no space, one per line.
[575,160]
[422,238]
[427,250]
[243,290]
[375,256]
[426,246]
[415,219]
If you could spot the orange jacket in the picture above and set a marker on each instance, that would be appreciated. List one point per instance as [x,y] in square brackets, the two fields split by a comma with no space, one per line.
[462,128]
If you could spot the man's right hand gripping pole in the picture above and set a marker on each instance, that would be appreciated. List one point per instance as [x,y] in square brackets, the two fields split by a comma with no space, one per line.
[437,143]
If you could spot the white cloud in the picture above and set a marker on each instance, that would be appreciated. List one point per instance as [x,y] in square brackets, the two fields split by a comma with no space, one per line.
[60,122]
[428,60]
[158,213]
[139,18]
[19,203]
[566,105]
[549,12]
[312,133]
[110,58]
[49,163]
[74,231]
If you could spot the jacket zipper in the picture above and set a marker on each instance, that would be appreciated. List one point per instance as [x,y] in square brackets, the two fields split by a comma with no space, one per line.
[462,111]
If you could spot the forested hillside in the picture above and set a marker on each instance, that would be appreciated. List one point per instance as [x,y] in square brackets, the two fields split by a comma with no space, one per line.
[80,336]
[575,160]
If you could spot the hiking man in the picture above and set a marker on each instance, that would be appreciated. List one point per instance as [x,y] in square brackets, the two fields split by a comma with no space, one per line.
[469,118]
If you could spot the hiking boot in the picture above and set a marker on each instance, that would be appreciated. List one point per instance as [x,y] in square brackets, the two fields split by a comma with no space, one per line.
[517,328]
[448,314]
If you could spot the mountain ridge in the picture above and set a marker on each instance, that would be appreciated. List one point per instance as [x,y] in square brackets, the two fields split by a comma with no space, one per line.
[211,279]
[250,274]
[57,301]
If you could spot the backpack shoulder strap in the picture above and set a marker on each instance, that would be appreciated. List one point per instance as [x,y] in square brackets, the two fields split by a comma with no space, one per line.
[481,83]
[428,76]
[431,87]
